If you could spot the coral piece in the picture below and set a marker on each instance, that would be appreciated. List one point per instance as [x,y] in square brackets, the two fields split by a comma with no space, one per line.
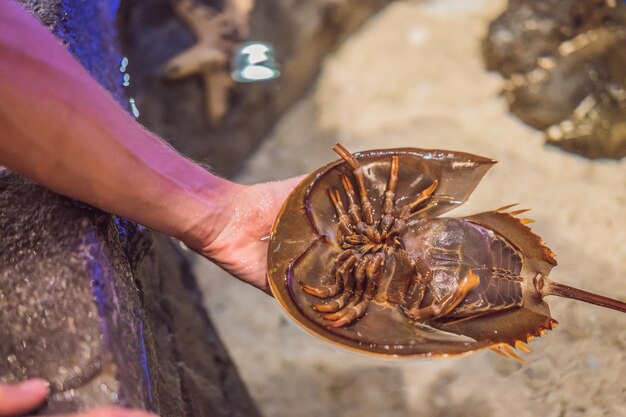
[217,31]
[565,64]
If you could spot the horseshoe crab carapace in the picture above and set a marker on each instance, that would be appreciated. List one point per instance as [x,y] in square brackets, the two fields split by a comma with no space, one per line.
[360,257]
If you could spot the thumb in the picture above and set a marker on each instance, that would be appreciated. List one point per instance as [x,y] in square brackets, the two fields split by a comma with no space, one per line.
[284,187]
[18,399]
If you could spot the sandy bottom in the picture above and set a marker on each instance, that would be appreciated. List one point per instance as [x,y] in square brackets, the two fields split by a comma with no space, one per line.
[414,77]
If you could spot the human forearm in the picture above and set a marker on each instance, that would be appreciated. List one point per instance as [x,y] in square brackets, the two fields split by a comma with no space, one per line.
[80,143]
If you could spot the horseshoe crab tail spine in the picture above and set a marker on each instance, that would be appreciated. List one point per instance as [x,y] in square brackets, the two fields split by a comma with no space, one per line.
[562,290]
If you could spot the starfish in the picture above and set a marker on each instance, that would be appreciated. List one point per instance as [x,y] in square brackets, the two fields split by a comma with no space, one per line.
[217,32]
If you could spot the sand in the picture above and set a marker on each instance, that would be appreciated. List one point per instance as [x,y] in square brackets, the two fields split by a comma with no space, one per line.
[413,76]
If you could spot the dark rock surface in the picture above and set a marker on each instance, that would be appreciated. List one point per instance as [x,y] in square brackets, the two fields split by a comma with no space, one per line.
[88,30]
[303,32]
[68,307]
[191,371]
[565,66]
[93,303]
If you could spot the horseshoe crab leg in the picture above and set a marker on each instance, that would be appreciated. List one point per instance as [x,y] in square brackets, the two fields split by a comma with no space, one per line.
[424,275]
[359,309]
[353,207]
[357,170]
[424,195]
[359,275]
[400,222]
[325,291]
[390,195]
[353,313]
[442,307]
[354,210]
[344,219]
[348,288]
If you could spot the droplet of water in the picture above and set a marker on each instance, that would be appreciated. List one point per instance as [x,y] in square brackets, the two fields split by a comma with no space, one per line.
[133,107]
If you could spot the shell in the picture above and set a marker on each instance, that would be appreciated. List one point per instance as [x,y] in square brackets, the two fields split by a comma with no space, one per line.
[564,65]
[304,251]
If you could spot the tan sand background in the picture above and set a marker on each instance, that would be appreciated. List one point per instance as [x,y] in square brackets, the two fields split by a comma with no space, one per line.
[414,76]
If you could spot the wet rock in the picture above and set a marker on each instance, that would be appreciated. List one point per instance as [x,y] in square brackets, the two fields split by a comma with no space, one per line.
[303,32]
[95,304]
[565,66]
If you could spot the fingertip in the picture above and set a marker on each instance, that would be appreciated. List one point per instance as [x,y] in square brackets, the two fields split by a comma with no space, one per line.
[22,397]
[35,387]
[116,412]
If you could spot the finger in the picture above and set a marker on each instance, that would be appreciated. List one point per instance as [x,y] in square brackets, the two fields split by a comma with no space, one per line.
[18,399]
[112,412]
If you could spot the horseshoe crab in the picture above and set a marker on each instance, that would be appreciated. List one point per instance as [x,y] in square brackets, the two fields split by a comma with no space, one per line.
[360,257]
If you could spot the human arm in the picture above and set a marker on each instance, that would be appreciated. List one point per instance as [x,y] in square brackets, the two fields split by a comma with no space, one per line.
[60,128]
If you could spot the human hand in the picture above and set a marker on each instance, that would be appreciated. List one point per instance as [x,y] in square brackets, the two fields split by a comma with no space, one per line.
[18,399]
[24,397]
[238,245]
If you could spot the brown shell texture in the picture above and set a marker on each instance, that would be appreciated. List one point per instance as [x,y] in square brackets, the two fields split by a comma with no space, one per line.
[564,62]
[360,256]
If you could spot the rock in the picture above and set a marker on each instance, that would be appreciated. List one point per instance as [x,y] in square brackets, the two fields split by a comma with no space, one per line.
[68,305]
[303,32]
[191,371]
[565,67]
[88,30]
[93,303]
